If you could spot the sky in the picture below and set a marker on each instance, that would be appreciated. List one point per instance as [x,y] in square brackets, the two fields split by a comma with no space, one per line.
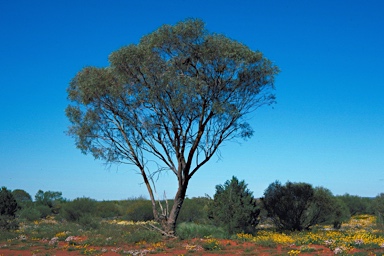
[327,128]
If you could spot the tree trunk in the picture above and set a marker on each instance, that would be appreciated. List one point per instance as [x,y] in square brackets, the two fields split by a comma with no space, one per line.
[169,225]
[150,192]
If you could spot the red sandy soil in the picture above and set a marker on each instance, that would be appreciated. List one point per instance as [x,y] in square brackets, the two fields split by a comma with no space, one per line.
[185,247]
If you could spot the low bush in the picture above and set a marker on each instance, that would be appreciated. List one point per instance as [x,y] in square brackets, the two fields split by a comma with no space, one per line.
[8,223]
[188,230]
[195,210]
[143,235]
[139,210]
[357,205]
[108,209]
[211,244]
[44,210]
[30,213]
[299,206]
[79,208]
[87,221]
[378,207]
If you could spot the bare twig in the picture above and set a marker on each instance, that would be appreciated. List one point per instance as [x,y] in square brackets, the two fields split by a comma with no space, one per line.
[160,230]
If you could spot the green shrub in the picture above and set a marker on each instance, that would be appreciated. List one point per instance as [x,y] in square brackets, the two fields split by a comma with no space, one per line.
[141,234]
[326,209]
[211,244]
[52,199]
[88,221]
[139,210]
[8,223]
[287,204]
[378,207]
[78,208]
[8,209]
[188,230]
[44,210]
[108,209]
[22,198]
[30,213]
[357,205]
[298,206]
[195,210]
[234,208]
[340,213]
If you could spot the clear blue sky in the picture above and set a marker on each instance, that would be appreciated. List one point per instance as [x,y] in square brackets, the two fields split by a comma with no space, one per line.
[327,128]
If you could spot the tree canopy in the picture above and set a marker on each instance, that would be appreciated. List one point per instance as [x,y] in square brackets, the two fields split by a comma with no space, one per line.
[21,196]
[172,99]
[51,199]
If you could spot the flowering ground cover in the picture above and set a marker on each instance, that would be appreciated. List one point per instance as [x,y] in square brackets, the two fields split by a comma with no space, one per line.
[360,236]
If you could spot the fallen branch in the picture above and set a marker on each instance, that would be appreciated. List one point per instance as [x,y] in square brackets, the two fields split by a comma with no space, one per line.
[160,230]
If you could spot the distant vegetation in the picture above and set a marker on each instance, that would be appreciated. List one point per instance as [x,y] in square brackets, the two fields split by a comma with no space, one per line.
[292,206]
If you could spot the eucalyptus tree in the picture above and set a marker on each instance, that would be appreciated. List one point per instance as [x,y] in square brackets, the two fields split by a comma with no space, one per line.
[172,99]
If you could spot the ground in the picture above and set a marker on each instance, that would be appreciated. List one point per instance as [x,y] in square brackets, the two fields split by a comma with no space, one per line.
[361,236]
[191,247]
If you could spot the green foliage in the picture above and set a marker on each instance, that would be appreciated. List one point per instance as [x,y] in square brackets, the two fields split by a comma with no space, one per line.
[48,229]
[188,230]
[80,208]
[31,213]
[361,233]
[183,70]
[340,213]
[8,223]
[140,234]
[107,234]
[195,210]
[286,205]
[378,207]
[234,208]
[108,209]
[172,99]
[138,210]
[298,206]
[22,197]
[44,210]
[88,221]
[51,199]
[357,205]
[326,209]
[211,244]
[8,209]
[8,204]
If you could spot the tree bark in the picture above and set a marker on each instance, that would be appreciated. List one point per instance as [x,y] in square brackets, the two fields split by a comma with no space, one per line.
[170,224]
[149,188]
